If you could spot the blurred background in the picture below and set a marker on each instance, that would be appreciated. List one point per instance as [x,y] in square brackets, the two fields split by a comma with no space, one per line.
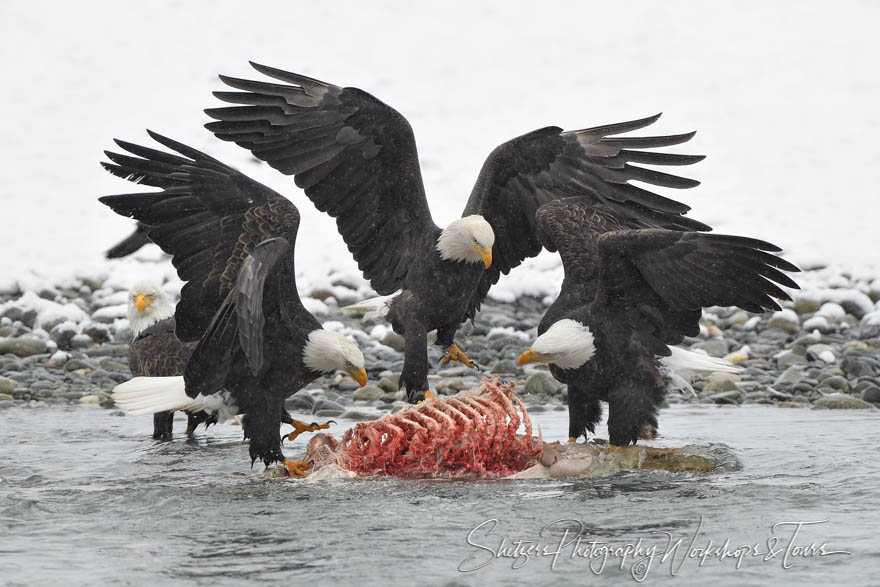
[783,96]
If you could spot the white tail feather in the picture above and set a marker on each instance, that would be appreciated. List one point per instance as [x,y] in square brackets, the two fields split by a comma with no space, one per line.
[681,364]
[372,307]
[148,395]
[682,360]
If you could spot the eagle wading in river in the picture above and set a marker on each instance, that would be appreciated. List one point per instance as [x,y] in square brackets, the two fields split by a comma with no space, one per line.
[628,294]
[232,241]
[155,351]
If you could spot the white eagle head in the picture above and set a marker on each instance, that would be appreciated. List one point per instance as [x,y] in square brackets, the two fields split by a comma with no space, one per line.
[326,351]
[567,343]
[147,304]
[467,239]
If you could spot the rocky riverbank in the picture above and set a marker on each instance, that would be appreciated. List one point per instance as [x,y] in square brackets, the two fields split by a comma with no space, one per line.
[68,345]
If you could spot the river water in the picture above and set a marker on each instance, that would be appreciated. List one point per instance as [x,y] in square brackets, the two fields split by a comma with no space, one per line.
[87,498]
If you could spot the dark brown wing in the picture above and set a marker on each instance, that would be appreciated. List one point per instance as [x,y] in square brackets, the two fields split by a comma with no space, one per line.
[657,280]
[548,164]
[354,156]
[208,216]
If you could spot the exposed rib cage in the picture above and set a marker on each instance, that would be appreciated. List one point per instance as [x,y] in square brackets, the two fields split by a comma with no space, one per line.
[470,434]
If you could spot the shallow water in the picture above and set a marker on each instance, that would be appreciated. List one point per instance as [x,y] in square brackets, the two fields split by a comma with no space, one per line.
[86,497]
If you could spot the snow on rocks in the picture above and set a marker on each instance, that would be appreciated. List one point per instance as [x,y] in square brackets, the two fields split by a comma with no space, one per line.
[62,342]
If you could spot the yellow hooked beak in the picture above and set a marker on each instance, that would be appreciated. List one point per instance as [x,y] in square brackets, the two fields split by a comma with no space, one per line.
[485,254]
[530,356]
[141,302]
[359,375]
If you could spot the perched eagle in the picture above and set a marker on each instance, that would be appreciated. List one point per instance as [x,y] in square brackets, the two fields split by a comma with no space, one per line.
[629,293]
[356,159]
[231,241]
[155,350]
[131,243]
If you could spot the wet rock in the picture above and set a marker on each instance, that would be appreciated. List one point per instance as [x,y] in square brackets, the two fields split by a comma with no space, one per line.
[842,401]
[22,347]
[505,366]
[542,384]
[299,402]
[836,382]
[359,416]
[714,347]
[871,393]
[718,382]
[857,366]
[821,352]
[806,305]
[740,355]
[329,413]
[367,393]
[394,340]
[7,385]
[387,384]
[787,358]
[739,317]
[348,385]
[790,376]
[327,404]
[785,320]
[726,397]
[98,333]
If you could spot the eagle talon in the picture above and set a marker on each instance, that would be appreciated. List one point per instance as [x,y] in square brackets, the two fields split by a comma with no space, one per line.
[299,427]
[429,397]
[297,468]
[455,354]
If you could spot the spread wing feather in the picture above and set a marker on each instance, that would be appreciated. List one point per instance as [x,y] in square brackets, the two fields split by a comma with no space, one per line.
[659,280]
[208,216]
[354,156]
[656,280]
[548,164]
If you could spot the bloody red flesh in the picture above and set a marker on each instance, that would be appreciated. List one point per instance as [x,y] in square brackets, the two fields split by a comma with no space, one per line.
[470,434]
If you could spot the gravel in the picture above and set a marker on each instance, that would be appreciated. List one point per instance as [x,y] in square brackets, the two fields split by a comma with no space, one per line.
[68,344]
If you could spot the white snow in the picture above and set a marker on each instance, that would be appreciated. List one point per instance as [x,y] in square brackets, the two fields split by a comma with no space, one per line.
[316,307]
[786,315]
[819,323]
[508,331]
[828,357]
[110,313]
[787,129]
[49,313]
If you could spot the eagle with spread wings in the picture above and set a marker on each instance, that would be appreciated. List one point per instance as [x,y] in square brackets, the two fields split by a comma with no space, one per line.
[356,159]
[232,241]
[630,294]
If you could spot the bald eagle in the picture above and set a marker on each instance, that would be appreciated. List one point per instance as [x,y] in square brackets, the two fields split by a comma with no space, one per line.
[356,159]
[131,243]
[231,241]
[155,350]
[629,293]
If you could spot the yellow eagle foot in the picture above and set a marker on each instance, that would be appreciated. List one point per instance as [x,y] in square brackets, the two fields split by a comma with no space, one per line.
[299,427]
[455,354]
[296,468]
[429,397]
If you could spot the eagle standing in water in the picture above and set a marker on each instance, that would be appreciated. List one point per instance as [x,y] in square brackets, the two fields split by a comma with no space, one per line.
[155,351]
[231,240]
[629,293]
[356,159]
